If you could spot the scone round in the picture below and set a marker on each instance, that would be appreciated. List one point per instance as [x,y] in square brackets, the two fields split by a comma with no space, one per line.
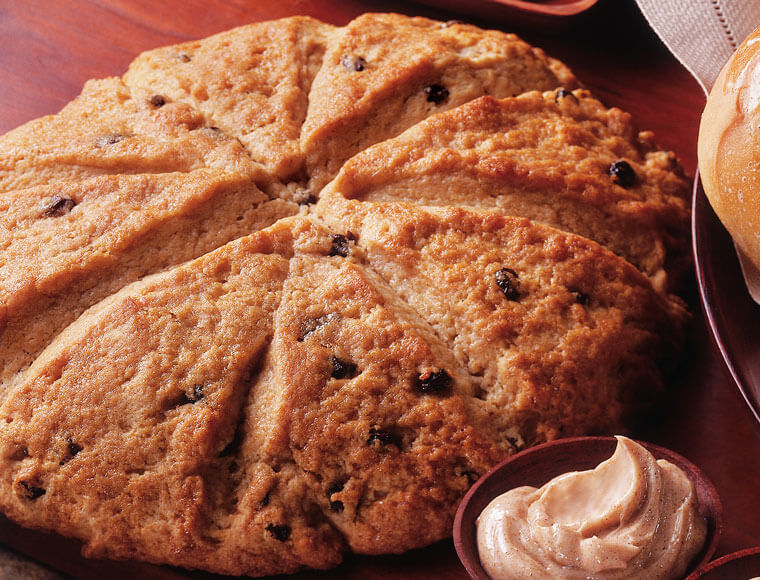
[202,366]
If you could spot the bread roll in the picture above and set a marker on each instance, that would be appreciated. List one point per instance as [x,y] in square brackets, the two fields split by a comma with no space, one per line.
[729,147]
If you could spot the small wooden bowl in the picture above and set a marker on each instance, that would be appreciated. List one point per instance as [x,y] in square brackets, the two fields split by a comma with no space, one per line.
[537,465]
[741,565]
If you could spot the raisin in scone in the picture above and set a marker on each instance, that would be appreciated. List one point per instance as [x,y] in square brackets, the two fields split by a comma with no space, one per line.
[296,393]
[209,360]
[560,158]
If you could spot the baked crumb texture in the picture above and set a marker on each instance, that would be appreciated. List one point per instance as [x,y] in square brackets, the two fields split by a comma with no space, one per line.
[290,290]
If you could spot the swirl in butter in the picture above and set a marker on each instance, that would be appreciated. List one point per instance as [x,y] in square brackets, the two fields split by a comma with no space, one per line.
[631,517]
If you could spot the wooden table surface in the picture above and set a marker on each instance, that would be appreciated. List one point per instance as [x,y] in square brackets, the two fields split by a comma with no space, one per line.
[48,48]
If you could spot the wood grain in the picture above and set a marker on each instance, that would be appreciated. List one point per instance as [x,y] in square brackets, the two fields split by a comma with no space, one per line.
[48,48]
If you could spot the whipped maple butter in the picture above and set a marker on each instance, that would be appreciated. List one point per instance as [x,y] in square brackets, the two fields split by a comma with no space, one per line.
[631,517]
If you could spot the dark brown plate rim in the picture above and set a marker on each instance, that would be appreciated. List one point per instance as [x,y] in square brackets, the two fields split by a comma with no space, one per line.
[545,11]
[596,449]
[732,315]
[549,8]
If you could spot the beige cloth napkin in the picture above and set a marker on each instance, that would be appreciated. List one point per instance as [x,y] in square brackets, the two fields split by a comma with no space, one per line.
[703,34]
